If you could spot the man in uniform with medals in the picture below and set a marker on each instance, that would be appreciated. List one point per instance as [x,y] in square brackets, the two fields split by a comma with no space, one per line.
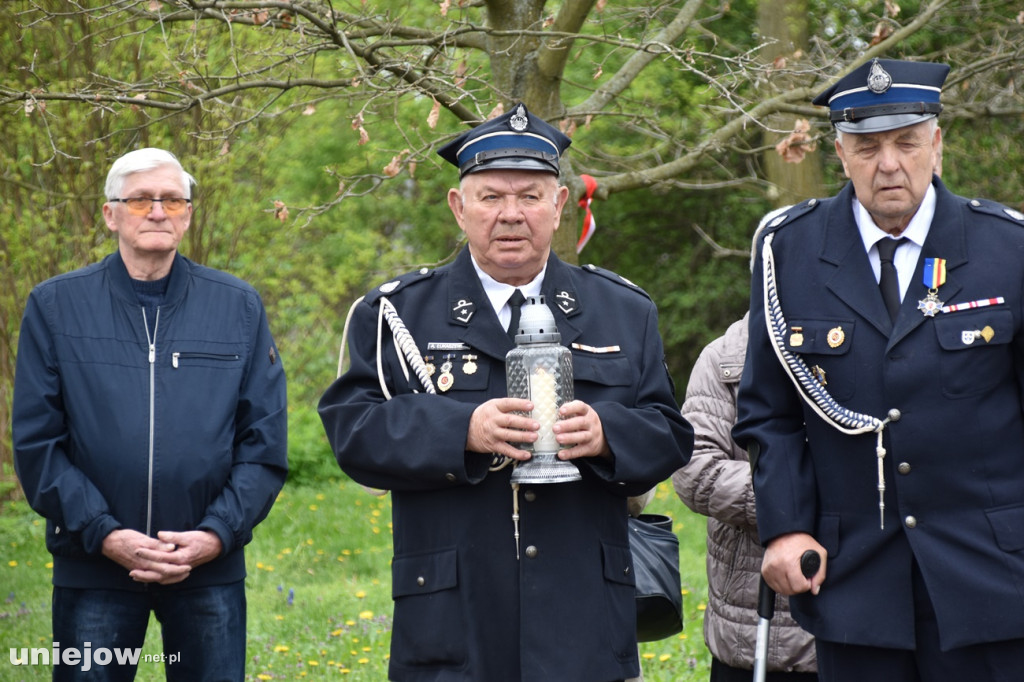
[493,581]
[904,470]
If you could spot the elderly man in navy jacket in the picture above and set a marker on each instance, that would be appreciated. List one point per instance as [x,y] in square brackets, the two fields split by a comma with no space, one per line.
[479,595]
[881,400]
[150,430]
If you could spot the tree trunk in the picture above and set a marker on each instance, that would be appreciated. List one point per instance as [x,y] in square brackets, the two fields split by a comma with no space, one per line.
[785,23]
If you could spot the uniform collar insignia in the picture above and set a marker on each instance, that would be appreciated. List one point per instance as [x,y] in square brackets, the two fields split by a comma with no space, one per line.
[566,302]
[462,311]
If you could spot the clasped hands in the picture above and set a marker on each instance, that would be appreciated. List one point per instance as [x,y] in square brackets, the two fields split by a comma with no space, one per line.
[166,559]
[495,425]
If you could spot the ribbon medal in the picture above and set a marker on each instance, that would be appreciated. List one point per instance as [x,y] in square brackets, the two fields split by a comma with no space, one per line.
[934,277]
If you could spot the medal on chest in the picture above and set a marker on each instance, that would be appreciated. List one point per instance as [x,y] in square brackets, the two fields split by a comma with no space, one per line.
[934,277]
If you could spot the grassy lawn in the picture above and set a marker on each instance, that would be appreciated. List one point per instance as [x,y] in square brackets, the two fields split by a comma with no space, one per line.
[319,590]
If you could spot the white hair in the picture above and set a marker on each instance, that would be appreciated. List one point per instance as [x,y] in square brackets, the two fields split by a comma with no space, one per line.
[142,160]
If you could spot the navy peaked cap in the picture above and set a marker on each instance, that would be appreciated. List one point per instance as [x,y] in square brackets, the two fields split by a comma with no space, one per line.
[885,94]
[516,140]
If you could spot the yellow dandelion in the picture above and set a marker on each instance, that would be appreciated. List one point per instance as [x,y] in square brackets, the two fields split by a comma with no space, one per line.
[264,676]
[360,595]
[321,497]
[648,656]
[366,648]
[309,542]
[286,550]
[702,607]
[313,507]
[350,622]
[365,615]
[664,657]
[336,633]
[12,563]
[685,592]
[278,617]
[49,564]
[363,660]
[280,648]
[313,662]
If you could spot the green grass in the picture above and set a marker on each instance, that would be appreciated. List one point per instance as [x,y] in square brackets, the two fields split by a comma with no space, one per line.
[319,590]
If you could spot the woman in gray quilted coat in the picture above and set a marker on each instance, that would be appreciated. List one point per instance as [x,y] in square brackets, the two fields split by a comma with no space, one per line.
[717,484]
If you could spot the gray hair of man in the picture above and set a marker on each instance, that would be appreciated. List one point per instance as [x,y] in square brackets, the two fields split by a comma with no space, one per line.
[140,161]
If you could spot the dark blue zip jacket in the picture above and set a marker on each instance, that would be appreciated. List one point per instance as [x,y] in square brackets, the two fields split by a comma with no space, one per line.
[117,427]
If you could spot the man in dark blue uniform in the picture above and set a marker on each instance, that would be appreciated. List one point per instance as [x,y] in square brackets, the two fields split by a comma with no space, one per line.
[479,596]
[881,399]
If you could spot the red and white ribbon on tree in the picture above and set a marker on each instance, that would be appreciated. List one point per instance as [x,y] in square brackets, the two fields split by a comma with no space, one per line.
[589,225]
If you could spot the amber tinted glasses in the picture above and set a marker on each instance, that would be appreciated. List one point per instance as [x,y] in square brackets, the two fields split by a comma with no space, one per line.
[143,205]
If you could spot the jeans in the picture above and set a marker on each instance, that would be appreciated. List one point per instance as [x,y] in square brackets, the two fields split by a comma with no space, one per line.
[203,633]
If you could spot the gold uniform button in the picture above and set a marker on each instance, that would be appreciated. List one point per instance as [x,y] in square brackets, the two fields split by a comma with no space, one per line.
[450,477]
[903,468]
[421,581]
[910,522]
[531,552]
[530,496]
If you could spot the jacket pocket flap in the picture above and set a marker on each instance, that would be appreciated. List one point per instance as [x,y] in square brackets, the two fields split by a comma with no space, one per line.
[604,370]
[974,329]
[424,573]
[618,564]
[1008,527]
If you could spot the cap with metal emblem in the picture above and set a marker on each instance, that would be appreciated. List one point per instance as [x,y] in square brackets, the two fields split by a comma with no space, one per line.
[513,141]
[885,94]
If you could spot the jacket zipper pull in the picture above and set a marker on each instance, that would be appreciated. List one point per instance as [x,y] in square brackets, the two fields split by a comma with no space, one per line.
[174,360]
[152,353]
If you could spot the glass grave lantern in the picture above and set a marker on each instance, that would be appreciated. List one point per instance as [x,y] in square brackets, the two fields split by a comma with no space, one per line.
[539,369]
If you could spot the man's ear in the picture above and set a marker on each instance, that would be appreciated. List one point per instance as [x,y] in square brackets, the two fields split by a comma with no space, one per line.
[842,156]
[457,205]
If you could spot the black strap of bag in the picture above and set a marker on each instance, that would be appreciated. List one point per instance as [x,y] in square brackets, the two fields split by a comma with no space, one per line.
[659,597]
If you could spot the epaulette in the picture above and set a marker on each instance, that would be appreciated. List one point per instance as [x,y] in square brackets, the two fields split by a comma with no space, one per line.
[398,283]
[996,209]
[614,277]
[784,216]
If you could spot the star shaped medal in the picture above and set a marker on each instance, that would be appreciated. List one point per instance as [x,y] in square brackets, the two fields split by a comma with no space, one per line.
[934,277]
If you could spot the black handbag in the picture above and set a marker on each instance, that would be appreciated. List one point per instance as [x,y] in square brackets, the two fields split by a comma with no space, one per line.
[659,596]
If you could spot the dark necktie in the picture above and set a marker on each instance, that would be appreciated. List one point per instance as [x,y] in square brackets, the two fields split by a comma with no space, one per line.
[515,303]
[888,282]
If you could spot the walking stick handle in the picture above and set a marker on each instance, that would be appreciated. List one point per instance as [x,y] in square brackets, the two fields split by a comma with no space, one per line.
[810,562]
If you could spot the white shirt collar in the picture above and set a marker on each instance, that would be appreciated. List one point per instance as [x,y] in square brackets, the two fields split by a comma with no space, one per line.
[498,292]
[917,230]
